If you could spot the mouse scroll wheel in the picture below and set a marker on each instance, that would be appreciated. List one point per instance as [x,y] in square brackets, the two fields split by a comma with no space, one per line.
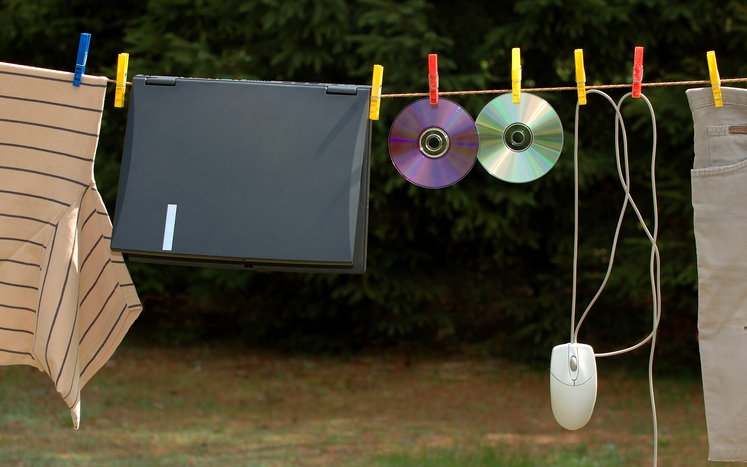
[574,363]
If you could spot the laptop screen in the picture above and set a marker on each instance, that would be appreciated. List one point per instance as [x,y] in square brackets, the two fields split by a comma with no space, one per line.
[245,174]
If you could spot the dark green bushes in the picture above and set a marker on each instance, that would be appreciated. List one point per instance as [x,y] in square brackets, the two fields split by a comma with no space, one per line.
[482,262]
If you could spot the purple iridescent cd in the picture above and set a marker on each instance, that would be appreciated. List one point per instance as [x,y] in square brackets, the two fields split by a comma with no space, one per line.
[433,147]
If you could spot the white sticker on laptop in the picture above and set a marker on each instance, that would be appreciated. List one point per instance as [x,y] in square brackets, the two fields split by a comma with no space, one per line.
[168,232]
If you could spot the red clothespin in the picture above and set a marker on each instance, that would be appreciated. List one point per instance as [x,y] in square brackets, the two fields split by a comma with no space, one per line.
[433,78]
[637,71]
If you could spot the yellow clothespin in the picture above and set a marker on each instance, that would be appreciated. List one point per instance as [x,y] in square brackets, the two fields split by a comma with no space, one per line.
[580,76]
[378,77]
[123,62]
[515,74]
[715,78]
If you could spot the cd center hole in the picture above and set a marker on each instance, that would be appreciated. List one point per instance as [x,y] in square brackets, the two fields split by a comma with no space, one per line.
[518,137]
[433,142]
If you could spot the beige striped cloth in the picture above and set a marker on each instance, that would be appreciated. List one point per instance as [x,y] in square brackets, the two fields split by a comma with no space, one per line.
[66,300]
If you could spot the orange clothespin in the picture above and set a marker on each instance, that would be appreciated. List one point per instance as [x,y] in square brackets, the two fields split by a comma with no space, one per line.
[378,76]
[637,71]
[515,74]
[580,76]
[433,78]
[123,62]
[715,78]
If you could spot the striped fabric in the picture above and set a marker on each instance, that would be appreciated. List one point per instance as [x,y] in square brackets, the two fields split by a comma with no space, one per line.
[66,300]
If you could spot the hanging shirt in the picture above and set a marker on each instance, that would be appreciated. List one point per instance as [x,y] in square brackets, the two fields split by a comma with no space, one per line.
[66,300]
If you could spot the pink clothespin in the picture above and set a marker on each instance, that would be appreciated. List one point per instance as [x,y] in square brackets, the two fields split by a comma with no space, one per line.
[433,78]
[637,71]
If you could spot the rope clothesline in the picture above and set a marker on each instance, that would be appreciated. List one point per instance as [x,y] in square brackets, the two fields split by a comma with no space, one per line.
[565,88]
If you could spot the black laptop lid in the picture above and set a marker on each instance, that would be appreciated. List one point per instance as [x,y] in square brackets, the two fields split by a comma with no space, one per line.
[248,174]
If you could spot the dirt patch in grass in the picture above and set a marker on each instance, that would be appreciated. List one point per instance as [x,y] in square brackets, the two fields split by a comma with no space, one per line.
[232,406]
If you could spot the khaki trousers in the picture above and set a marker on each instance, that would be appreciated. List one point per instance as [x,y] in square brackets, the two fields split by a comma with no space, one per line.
[719,191]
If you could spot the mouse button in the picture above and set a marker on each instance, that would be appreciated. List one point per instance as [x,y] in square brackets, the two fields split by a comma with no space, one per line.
[573,361]
[559,364]
[554,381]
[587,365]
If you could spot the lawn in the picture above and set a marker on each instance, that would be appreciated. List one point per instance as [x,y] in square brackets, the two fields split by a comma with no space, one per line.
[213,406]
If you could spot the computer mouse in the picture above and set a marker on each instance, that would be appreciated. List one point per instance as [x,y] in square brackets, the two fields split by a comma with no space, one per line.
[573,384]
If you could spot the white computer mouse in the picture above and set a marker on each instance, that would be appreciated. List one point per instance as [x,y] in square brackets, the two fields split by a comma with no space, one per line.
[573,384]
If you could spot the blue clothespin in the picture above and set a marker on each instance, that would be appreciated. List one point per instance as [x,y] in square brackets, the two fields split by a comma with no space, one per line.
[80,62]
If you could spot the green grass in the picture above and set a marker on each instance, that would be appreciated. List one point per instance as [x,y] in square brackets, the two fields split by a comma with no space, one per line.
[608,456]
[219,407]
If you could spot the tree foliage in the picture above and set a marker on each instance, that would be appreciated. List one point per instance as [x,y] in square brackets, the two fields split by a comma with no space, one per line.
[482,262]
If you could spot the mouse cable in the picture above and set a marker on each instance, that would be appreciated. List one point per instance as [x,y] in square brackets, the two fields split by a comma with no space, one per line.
[655,262]
[655,272]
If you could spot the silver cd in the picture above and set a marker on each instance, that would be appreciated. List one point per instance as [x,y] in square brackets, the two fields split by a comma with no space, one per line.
[518,142]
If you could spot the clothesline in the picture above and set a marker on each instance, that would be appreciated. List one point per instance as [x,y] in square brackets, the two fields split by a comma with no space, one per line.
[563,88]
[566,88]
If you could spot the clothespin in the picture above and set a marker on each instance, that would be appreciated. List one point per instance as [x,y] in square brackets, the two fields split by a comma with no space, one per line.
[580,76]
[433,78]
[80,62]
[123,62]
[515,74]
[715,78]
[637,71]
[378,76]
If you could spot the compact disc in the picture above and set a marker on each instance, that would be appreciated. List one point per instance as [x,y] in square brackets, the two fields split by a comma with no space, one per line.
[433,147]
[519,142]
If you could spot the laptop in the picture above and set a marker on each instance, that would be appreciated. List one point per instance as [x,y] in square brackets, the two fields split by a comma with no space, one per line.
[243,174]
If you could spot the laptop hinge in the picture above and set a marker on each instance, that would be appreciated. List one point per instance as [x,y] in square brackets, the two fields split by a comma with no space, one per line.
[345,90]
[160,81]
